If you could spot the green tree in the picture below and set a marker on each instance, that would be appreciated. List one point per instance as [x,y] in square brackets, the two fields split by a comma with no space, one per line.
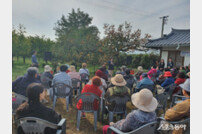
[15,42]
[76,38]
[41,44]
[122,39]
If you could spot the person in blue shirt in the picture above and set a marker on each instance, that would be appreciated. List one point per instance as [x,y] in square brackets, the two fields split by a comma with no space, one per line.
[145,82]
[34,59]
[169,79]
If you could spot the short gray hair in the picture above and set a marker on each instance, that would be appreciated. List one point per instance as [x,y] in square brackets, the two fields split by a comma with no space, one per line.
[31,71]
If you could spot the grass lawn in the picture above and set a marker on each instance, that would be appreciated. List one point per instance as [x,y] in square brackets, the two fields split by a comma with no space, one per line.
[19,68]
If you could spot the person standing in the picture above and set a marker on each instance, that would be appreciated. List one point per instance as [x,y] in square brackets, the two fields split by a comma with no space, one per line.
[111,67]
[161,65]
[34,59]
[170,63]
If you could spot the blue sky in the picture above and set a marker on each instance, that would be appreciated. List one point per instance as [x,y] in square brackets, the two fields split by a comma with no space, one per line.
[39,17]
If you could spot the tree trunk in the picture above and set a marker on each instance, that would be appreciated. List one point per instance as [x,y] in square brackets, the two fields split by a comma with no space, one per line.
[17,58]
[24,59]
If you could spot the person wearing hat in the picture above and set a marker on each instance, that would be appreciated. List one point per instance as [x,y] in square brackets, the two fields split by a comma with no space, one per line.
[168,79]
[20,84]
[139,72]
[119,89]
[145,82]
[146,105]
[180,110]
[34,107]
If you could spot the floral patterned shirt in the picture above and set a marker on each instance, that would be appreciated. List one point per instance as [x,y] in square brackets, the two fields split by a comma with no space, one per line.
[134,120]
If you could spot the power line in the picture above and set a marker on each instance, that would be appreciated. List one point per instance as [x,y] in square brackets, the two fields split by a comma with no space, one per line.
[115,8]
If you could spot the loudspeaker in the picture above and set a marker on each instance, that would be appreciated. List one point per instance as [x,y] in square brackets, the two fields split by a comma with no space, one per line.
[47,56]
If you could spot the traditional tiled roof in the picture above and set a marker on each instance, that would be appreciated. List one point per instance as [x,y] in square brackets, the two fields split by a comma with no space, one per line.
[176,37]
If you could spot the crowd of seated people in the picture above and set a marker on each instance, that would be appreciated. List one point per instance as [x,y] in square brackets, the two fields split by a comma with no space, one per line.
[134,85]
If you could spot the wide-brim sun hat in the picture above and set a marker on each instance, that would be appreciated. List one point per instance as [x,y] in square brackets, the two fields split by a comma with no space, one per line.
[140,68]
[118,80]
[144,100]
[72,68]
[167,74]
[47,68]
[186,85]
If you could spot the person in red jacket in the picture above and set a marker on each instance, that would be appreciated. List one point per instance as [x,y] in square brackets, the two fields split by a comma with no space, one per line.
[93,88]
[180,79]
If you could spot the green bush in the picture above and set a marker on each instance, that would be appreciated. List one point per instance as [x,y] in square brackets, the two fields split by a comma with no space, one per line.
[144,60]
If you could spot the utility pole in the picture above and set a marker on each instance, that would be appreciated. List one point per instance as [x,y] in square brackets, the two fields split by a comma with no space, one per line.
[164,20]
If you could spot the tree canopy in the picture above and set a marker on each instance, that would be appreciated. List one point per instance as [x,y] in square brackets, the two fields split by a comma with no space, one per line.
[77,40]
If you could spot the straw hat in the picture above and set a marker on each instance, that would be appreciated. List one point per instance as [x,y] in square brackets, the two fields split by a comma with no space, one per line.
[144,100]
[167,74]
[140,68]
[47,68]
[72,68]
[118,80]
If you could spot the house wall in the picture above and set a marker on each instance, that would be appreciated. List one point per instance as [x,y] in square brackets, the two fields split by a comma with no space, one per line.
[182,49]
[164,55]
[186,60]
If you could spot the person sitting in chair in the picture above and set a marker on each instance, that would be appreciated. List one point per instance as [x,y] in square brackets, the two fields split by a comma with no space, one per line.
[84,70]
[182,109]
[129,79]
[103,86]
[93,88]
[146,104]
[74,75]
[139,72]
[145,82]
[61,77]
[47,73]
[20,84]
[169,79]
[119,89]
[180,79]
[101,71]
[34,108]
